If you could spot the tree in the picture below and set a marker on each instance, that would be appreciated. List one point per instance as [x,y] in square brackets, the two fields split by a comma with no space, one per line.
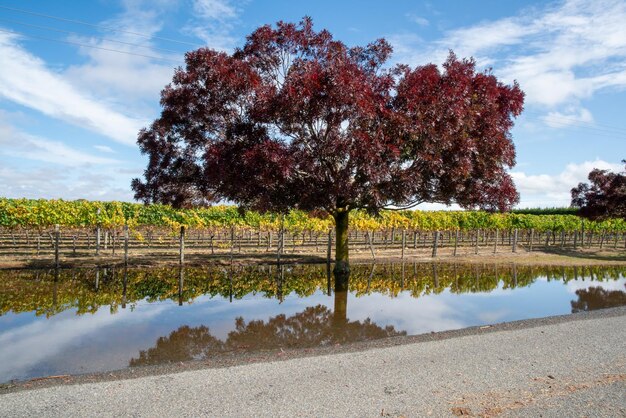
[296,119]
[604,197]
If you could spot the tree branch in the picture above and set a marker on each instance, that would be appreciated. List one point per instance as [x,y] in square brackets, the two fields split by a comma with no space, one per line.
[409,206]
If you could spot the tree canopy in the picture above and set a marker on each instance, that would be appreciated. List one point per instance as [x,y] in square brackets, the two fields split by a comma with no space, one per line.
[604,196]
[297,119]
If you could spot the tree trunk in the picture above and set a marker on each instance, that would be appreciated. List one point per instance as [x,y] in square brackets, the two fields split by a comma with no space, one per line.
[342,263]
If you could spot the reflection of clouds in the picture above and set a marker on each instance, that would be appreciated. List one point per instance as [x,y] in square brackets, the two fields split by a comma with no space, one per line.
[491,317]
[574,285]
[405,313]
[219,314]
[23,347]
[67,343]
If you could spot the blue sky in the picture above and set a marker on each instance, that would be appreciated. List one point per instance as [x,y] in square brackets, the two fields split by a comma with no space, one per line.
[70,109]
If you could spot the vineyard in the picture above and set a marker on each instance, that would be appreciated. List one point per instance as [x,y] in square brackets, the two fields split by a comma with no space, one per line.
[34,227]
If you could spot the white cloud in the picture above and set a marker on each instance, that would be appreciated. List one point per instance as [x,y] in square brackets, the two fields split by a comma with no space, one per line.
[562,53]
[26,346]
[485,37]
[22,145]
[406,48]
[420,20]
[574,285]
[214,23]
[127,81]
[26,80]
[571,116]
[104,148]
[405,313]
[215,9]
[39,149]
[554,190]
[48,182]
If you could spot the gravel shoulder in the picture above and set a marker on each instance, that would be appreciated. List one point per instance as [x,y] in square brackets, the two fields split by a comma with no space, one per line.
[572,365]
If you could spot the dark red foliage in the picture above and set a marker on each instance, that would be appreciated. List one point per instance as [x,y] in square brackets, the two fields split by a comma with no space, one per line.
[604,197]
[296,119]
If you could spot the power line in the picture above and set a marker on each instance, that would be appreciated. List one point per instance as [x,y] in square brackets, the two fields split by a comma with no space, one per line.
[580,122]
[90,46]
[594,131]
[79,22]
[80,34]
[589,129]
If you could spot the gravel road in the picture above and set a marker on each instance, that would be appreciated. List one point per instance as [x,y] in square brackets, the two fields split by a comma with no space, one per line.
[566,368]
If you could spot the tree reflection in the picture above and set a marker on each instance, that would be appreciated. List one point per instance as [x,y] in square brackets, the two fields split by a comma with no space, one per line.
[597,298]
[184,344]
[313,327]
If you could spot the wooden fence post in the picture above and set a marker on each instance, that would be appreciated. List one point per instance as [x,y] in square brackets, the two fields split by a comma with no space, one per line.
[435,244]
[495,244]
[57,233]
[126,245]
[477,237]
[403,243]
[582,234]
[369,236]
[329,249]
[182,245]
[279,247]
[232,244]
[98,232]
[532,235]
[456,242]
[515,240]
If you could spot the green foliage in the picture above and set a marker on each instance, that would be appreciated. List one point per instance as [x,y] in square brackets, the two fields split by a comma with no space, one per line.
[39,291]
[26,213]
[547,211]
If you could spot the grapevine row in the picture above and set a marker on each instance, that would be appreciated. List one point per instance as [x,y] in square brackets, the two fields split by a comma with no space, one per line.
[80,214]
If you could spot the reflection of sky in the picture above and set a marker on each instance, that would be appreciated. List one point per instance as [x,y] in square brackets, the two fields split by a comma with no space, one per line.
[67,343]
[447,310]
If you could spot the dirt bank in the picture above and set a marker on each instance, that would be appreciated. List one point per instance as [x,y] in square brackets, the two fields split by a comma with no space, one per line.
[543,256]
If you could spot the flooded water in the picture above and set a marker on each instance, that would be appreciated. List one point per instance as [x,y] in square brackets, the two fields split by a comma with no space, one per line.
[79,321]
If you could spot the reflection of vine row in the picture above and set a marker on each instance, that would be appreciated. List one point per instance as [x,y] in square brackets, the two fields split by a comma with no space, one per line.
[88,290]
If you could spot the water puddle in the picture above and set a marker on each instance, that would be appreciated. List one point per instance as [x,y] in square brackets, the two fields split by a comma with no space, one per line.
[80,321]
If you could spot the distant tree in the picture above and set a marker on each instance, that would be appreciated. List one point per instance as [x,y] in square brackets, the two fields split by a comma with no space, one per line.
[604,197]
[296,119]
